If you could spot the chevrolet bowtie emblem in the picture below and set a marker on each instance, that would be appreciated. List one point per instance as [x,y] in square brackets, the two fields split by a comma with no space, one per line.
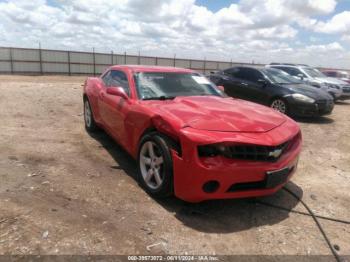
[276,153]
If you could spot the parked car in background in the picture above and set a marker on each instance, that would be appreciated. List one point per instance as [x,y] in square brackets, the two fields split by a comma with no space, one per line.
[274,88]
[314,77]
[188,139]
[342,75]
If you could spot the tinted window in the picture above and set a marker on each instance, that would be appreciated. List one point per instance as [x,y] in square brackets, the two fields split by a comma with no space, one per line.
[332,74]
[290,70]
[116,78]
[248,74]
[313,72]
[279,76]
[230,71]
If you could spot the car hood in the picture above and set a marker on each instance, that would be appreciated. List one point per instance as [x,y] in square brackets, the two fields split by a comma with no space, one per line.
[309,91]
[218,114]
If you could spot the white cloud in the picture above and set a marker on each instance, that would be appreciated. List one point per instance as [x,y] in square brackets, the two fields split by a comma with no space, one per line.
[340,23]
[269,13]
[261,30]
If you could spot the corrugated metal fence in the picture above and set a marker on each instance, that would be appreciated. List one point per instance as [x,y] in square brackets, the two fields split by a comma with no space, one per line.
[44,61]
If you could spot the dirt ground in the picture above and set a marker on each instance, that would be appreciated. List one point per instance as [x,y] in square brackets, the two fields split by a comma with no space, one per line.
[65,192]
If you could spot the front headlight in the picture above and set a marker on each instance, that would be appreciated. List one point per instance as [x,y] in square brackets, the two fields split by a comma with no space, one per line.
[332,86]
[303,98]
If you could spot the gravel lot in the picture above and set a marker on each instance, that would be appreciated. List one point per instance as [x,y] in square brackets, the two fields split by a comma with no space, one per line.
[65,192]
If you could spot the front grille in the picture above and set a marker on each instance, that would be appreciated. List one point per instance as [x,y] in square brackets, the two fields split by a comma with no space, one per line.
[346,89]
[248,151]
[257,152]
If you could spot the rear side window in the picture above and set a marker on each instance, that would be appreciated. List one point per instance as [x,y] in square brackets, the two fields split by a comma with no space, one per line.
[249,74]
[331,74]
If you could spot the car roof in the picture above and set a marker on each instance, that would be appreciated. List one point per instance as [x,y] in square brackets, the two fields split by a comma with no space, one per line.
[146,68]
[287,65]
[250,67]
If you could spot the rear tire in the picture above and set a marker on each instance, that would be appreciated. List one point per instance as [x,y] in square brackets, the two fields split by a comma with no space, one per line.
[90,124]
[279,105]
[155,165]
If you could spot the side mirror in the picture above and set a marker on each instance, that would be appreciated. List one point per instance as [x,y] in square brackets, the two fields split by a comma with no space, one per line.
[263,82]
[301,76]
[221,88]
[117,91]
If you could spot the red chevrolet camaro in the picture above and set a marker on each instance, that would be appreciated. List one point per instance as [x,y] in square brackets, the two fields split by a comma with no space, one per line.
[189,139]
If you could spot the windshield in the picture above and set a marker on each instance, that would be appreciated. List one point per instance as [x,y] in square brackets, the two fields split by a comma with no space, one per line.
[168,85]
[279,77]
[313,72]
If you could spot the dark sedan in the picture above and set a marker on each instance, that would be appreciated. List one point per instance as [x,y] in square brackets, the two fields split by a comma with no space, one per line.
[274,88]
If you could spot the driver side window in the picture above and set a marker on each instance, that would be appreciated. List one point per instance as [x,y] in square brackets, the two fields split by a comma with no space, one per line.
[249,74]
[292,71]
[117,78]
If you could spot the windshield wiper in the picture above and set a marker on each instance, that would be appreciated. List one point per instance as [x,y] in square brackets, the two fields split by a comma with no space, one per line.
[160,98]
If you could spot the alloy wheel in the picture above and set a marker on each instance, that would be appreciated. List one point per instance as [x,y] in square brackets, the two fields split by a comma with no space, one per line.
[87,114]
[279,105]
[151,165]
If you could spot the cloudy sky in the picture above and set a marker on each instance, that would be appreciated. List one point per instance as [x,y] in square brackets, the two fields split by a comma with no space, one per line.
[316,32]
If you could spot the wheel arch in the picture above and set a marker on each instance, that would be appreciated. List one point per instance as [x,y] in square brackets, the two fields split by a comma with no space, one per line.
[152,130]
[282,97]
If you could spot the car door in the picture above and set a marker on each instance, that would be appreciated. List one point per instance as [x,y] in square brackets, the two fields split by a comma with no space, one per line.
[231,84]
[251,84]
[113,109]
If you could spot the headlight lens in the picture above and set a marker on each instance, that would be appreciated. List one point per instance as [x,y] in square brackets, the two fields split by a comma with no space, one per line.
[332,86]
[303,98]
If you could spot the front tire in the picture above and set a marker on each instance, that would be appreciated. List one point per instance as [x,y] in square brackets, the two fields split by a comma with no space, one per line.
[279,105]
[334,97]
[155,165]
[90,124]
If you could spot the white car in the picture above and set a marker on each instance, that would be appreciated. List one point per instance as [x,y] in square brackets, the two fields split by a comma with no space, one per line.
[315,78]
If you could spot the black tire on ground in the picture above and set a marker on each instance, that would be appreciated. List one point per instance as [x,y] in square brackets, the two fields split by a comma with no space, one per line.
[334,98]
[280,105]
[162,146]
[90,124]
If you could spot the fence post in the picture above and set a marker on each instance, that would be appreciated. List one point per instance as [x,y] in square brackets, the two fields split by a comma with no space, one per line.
[11,60]
[125,58]
[40,59]
[156,60]
[111,57]
[231,63]
[69,70]
[174,60]
[93,58]
[139,58]
[190,63]
[205,65]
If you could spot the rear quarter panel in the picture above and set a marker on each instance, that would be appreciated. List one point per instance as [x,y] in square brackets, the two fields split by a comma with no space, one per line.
[91,90]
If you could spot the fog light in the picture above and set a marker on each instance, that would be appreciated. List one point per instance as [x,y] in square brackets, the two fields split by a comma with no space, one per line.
[211,186]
